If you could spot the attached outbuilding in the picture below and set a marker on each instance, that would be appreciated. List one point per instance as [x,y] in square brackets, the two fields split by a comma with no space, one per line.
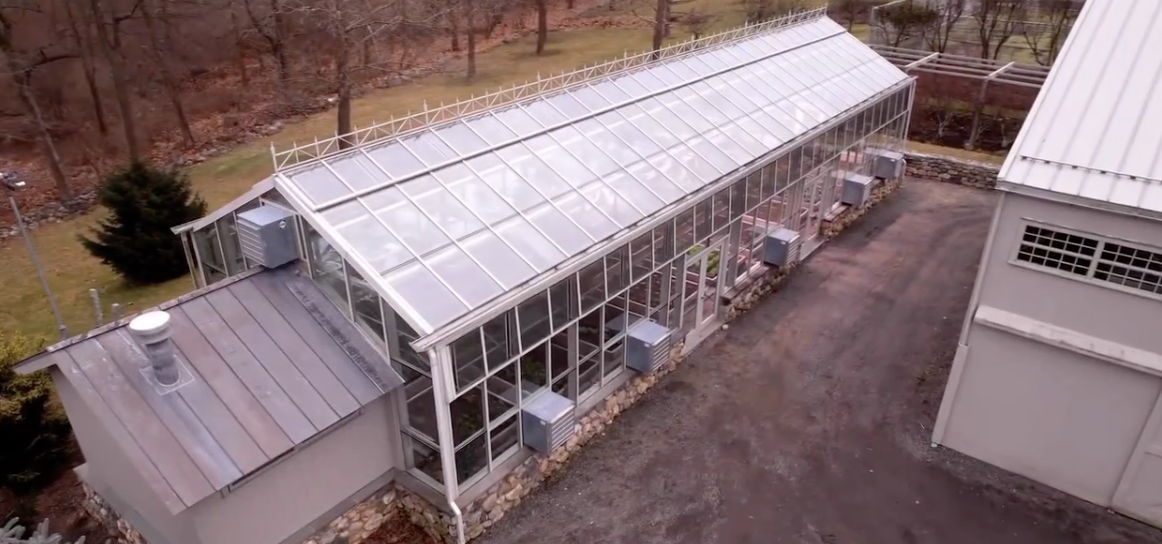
[431,303]
[1058,373]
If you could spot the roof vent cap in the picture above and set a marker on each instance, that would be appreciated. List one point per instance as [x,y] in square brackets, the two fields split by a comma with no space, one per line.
[152,330]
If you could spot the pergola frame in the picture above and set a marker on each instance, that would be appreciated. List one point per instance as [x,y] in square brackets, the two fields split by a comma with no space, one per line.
[1009,73]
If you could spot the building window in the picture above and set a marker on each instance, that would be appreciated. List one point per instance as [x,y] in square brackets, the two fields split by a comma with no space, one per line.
[1066,252]
[1130,267]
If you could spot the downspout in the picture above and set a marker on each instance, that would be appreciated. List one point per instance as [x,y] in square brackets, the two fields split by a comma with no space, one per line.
[439,357]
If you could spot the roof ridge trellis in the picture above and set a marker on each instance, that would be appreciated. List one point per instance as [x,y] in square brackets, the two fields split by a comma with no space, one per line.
[396,128]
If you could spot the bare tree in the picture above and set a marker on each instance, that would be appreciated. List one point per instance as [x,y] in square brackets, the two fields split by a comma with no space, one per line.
[661,13]
[163,55]
[271,27]
[948,14]
[542,25]
[904,21]
[108,27]
[81,35]
[941,107]
[849,11]
[697,22]
[997,21]
[20,67]
[470,16]
[1046,35]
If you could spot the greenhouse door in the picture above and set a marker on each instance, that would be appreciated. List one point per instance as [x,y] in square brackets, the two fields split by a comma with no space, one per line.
[816,201]
[700,295]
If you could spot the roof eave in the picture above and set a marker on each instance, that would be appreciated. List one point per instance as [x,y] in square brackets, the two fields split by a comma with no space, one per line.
[1075,200]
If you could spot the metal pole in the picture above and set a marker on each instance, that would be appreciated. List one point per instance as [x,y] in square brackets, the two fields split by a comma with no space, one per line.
[36,262]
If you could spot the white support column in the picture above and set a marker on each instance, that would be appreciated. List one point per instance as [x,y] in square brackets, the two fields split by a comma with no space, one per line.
[441,359]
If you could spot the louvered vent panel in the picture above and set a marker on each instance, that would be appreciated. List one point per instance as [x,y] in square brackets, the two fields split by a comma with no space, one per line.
[857,188]
[547,421]
[781,247]
[267,235]
[647,346]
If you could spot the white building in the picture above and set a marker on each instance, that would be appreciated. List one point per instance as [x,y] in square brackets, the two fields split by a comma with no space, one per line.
[1058,373]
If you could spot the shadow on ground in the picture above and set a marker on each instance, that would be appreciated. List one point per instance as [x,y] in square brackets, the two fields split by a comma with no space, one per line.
[808,420]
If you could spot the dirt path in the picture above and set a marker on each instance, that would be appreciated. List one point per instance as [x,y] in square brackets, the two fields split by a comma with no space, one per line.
[807,422]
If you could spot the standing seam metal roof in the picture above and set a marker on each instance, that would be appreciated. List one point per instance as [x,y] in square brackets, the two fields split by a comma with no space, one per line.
[1095,131]
[447,219]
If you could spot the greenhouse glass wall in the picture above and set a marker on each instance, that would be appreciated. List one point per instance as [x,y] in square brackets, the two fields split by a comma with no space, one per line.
[504,255]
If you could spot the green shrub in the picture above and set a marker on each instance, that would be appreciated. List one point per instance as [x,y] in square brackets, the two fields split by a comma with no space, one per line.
[12,533]
[35,430]
[144,203]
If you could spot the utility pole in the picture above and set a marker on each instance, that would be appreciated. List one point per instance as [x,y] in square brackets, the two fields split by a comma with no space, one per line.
[11,184]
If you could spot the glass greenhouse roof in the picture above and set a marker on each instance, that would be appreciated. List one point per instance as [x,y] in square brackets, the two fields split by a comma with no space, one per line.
[448,218]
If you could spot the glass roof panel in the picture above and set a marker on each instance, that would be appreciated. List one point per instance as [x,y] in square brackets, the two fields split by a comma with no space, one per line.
[476,195]
[588,217]
[367,236]
[764,129]
[686,113]
[787,113]
[610,92]
[358,171]
[319,184]
[702,105]
[730,55]
[592,157]
[608,201]
[429,148]
[656,182]
[418,186]
[530,243]
[558,228]
[730,86]
[807,102]
[668,119]
[546,114]
[646,124]
[461,138]
[540,176]
[492,130]
[739,53]
[449,213]
[740,135]
[461,273]
[426,295]
[607,141]
[724,103]
[631,86]
[405,220]
[695,163]
[567,105]
[711,59]
[633,191]
[754,48]
[701,68]
[634,138]
[673,170]
[396,160]
[506,182]
[589,98]
[563,163]
[711,153]
[684,71]
[518,121]
[648,80]
[665,75]
[492,254]
[740,155]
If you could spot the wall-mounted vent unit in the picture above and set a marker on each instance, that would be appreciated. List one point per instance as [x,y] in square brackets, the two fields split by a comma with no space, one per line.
[647,346]
[857,188]
[547,421]
[268,236]
[888,164]
[781,247]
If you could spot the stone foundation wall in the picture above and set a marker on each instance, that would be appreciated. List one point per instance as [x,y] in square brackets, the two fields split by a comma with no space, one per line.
[961,172]
[361,520]
[100,510]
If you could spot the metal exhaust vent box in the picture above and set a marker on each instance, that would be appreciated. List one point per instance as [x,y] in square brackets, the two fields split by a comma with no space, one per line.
[547,421]
[888,164]
[781,247]
[647,346]
[857,188]
[268,236]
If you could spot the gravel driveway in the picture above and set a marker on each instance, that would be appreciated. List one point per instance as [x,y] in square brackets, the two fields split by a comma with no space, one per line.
[808,421]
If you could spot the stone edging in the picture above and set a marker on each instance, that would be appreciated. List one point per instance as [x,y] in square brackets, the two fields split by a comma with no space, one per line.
[951,170]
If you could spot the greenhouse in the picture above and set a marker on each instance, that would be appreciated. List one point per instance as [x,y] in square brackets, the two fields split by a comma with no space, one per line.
[509,259]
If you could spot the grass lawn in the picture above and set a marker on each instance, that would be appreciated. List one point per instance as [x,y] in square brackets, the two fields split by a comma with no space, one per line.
[72,272]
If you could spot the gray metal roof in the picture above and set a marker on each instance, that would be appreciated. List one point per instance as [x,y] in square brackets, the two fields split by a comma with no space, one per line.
[274,363]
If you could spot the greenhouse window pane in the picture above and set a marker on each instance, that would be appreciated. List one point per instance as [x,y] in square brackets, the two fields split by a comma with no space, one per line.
[502,179]
[656,182]
[705,65]
[498,259]
[673,170]
[699,166]
[806,110]
[647,125]
[703,106]
[533,170]
[563,302]
[367,236]
[500,344]
[743,138]
[607,142]
[461,138]
[505,436]
[517,120]
[589,98]
[648,80]
[429,148]
[728,107]
[752,49]
[394,159]
[756,83]
[730,85]
[530,243]
[366,310]
[781,133]
[739,53]
[617,270]
[713,154]
[784,118]
[467,359]
[766,137]
[687,114]
[476,195]
[429,298]
[320,184]
[633,191]
[610,92]
[489,128]
[591,220]
[592,280]
[668,119]
[533,317]
[642,144]
[449,213]
[545,114]
[608,201]
[588,153]
[631,86]
[408,223]
[564,165]
[419,186]
[684,72]
[358,171]
[467,412]
[464,276]
[565,104]
[559,229]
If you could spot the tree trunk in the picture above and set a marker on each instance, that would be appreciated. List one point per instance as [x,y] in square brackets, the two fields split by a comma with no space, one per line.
[162,54]
[117,74]
[343,75]
[659,27]
[470,16]
[278,47]
[542,25]
[977,116]
[455,23]
[84,42]
[239,52]
[666,20]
